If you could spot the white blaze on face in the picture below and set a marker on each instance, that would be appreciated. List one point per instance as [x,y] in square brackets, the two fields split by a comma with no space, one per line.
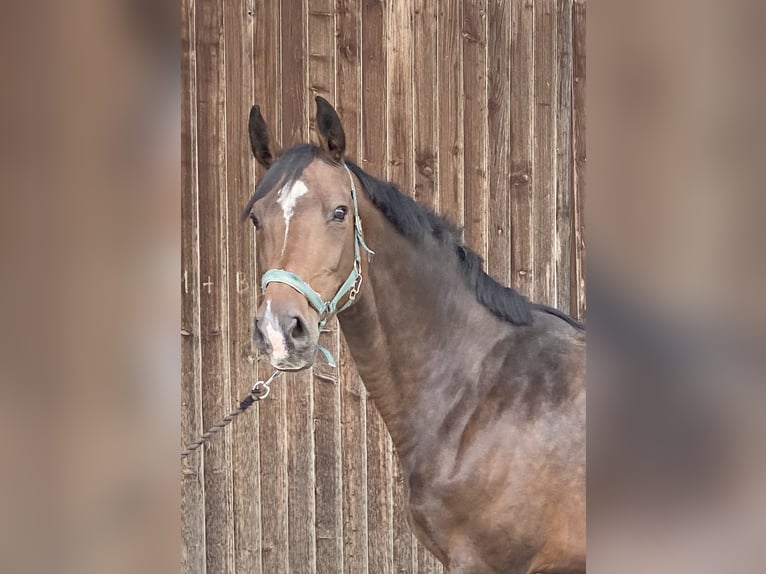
[287,198]
[274,335]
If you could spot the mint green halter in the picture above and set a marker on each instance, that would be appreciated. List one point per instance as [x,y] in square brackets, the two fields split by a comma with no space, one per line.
[328,309]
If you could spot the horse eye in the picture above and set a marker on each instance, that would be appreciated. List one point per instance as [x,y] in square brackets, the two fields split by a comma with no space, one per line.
[340,213]
[255,221]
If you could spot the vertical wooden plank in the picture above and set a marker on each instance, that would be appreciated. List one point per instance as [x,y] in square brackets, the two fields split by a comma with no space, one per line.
[374,160]
[299,386]
[327,445]
[216,398]
[353,428]
[426,146]
[242,296]
[399,94]
[353,400]
[522,64]
[272,413]
[192,477]
[578,307]
[294,70]
[475,124]
[563,238]
[349,72]
[544,156]
[426,98]
[499,165]
[449,72]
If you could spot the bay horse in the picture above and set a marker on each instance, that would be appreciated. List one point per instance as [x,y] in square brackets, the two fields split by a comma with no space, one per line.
[482,391]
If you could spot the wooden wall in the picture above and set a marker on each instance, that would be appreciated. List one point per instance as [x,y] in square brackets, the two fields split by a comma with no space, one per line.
[476,108]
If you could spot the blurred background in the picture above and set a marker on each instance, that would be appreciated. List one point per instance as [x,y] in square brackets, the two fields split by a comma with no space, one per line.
[676,312]
[91,306]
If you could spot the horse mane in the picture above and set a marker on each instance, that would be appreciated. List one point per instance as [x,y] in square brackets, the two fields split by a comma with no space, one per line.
[417,222]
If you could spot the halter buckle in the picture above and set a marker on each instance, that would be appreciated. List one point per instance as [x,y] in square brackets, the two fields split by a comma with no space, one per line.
[354,291]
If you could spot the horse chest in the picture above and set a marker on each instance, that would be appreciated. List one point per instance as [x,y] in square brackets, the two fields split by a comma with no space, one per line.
[444,514]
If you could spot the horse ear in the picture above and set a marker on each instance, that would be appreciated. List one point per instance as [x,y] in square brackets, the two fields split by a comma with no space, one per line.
[264,148]
[330,130]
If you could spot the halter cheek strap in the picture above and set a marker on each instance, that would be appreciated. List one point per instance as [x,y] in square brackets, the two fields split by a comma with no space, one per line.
[351,286]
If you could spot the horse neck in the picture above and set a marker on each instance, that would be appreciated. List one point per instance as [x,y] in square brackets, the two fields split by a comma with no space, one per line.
[413,330]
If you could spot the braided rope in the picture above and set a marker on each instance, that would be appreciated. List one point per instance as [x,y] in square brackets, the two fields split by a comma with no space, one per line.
[260,391]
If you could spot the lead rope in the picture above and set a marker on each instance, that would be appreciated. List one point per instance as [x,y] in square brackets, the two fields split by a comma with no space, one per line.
[260,391]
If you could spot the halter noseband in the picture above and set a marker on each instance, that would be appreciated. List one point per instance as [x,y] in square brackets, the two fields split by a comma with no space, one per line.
[328,309]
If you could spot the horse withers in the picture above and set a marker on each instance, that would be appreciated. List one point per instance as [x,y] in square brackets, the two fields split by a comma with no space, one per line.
[483,392]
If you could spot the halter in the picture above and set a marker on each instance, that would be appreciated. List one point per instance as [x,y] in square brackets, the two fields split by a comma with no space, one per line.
[351,286]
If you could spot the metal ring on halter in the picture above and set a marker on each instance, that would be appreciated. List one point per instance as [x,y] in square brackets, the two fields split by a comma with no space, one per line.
[356,287]
[255,391]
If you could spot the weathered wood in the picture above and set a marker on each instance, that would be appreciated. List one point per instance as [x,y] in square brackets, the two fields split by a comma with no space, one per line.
[499,162]
[353,431]
[293,71]
[426,99]
[348,72]
[544,154]
[475,194]
[374,143]
[353,400]
[192,469]
[216,397]
[450,86]
[563,239]
[522,77]
[579,153]
[242,295]
[272,413]
[327,439]
[399,94]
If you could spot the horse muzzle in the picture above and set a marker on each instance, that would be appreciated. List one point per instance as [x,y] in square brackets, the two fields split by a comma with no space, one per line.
[286,335]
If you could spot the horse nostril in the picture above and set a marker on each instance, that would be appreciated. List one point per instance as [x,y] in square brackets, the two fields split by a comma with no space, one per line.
[296,329]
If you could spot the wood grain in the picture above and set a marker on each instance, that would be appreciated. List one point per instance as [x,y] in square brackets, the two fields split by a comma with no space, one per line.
[564,181]
[450,87]
[544,154]
[522,78]
[216,396]
[426,103]
[580,156]
[475,127]
[192,469]
[242,293]
[499,150]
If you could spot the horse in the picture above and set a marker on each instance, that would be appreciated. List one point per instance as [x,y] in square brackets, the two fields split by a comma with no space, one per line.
[481,390]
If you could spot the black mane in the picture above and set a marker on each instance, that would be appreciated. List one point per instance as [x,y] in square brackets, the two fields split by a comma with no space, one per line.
[415,221]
